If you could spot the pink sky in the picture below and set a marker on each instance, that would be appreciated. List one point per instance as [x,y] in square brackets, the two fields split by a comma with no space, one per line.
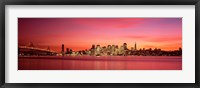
[81,33]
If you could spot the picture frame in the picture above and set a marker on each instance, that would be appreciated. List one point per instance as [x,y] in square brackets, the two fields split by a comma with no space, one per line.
[98,2]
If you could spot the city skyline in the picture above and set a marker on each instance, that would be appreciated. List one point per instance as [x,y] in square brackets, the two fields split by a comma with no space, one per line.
[97,50]
[81,33]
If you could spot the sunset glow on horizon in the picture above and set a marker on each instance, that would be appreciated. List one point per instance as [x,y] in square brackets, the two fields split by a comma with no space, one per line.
[81,33]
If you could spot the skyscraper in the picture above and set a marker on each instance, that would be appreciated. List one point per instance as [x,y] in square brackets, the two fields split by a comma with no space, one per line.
[98,50]
[62,51]
[125,46]
[67,51]
[93,49]
[135,46]
[93,46]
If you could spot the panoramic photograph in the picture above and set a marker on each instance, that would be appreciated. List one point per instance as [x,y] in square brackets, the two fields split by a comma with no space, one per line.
[100,43]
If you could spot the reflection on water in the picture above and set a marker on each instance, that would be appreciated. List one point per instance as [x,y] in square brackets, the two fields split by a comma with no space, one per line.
[101,63]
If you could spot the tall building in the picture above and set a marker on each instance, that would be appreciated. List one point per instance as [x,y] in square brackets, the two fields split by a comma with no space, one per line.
[67,51]
[93,46]
[62,48]
[92,49]
[62,51]
[125,46]
[70,51]
[135,46]
[108,49]
[180,49]
[98,50]
[113,49]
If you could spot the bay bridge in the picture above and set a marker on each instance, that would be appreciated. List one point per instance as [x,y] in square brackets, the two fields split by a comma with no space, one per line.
[31,50]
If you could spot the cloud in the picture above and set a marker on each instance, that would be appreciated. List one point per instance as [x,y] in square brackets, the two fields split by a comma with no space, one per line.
[164,39]
[156,38]
[136,36]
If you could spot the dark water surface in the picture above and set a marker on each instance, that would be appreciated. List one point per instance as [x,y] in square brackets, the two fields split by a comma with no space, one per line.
[100,63]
